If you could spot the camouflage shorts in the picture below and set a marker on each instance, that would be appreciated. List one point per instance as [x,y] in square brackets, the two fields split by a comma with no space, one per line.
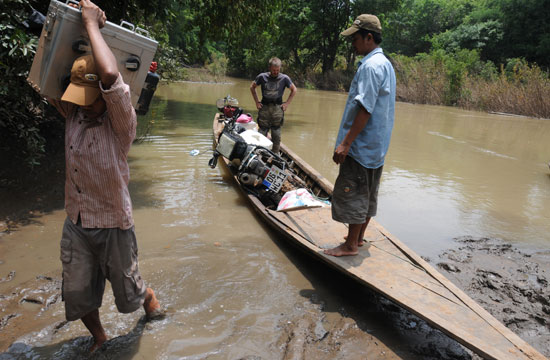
[270,116]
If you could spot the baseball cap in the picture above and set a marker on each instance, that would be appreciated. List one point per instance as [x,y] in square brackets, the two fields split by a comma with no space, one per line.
[363,21]
[84,87]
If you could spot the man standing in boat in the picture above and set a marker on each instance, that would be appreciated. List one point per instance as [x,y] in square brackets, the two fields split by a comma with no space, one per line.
[271,109]
[364,135]
[98,240]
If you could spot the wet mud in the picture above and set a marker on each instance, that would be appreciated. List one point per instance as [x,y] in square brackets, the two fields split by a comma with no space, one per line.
[510,283]
[306,337]
[312,337]
[29,307]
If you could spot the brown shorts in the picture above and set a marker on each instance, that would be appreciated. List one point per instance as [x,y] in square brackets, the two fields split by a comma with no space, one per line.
[355,195]
[90,256]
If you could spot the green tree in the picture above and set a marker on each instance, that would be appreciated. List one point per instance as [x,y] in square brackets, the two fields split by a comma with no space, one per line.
[330,18]
[527,29]
[478,36]
[408,30]
[294,36]
[23,121]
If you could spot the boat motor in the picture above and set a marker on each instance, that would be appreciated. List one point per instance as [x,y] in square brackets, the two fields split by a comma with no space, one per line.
[229,107]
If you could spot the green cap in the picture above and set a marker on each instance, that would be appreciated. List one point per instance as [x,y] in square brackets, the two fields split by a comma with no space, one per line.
[364,21]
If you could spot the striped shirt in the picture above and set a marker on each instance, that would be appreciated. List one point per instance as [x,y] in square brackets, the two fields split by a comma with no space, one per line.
[96,166]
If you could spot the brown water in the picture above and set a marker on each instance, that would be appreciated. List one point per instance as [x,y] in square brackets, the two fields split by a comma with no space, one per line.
[232,285]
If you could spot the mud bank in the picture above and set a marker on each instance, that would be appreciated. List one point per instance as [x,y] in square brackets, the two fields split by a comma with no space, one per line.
[31,306]
[510,283]
[311,337]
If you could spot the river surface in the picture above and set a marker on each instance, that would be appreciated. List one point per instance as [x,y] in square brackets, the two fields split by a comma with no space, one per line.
[230,284]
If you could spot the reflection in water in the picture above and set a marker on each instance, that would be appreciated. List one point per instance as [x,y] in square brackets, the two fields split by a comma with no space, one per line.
[229,282]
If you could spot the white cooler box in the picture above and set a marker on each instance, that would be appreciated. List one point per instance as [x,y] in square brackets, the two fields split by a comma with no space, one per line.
[64,38]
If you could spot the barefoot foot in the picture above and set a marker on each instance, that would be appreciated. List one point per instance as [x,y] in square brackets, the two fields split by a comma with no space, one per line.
[97,343]
[342,250]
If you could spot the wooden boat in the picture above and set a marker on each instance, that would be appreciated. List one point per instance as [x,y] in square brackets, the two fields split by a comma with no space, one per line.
[390,268]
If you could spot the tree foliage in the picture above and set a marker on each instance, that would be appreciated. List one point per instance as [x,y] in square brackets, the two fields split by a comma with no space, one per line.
[23,120]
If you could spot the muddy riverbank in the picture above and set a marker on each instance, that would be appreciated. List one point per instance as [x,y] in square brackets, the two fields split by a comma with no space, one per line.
[510,283]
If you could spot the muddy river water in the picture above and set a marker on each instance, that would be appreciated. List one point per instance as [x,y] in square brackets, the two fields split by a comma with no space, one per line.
[233,288]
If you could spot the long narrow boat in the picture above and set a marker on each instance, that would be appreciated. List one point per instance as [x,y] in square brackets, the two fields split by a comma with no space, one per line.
[388,267]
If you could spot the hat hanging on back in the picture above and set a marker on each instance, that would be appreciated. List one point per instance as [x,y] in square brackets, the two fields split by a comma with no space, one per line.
[364,21]
[84,87]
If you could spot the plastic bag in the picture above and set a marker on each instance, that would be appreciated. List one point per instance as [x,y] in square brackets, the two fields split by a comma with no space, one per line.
[298,199]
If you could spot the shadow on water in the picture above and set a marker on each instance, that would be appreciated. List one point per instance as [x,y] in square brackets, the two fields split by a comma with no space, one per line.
[120,347]
[141,187]
[169,114]
[34,193]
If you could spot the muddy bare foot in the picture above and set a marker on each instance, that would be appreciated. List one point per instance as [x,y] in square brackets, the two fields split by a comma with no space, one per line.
[342,250]
[98,342]
[152,306]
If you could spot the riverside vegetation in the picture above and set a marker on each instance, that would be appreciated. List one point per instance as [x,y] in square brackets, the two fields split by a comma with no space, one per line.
[489,55]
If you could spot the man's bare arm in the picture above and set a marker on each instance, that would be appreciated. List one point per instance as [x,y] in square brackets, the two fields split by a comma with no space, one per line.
[253,87]
[94,19]
[293,91]
[360,121]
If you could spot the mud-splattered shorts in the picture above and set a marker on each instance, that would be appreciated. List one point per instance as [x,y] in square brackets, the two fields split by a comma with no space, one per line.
[355,195]
[90,256]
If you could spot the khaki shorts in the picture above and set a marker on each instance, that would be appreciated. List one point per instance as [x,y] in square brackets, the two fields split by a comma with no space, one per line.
[90,256]
[355,195]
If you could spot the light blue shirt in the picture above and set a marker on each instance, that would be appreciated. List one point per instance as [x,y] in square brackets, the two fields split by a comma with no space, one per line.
[373,87]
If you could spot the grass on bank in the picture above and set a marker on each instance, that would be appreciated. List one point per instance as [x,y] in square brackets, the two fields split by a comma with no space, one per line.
[458,79]
[461,79]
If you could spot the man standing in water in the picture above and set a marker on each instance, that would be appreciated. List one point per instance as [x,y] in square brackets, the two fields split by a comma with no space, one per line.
[364,135]
[98,240]
[272,108]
